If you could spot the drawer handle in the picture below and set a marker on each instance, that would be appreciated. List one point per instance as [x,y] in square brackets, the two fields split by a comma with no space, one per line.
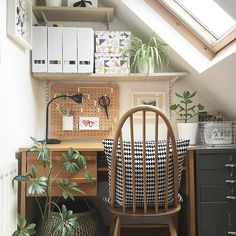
[230,165]
[231,197]
[230,181]
[231,233]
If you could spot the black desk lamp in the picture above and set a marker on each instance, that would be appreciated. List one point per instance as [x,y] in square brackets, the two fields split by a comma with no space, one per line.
[76,98]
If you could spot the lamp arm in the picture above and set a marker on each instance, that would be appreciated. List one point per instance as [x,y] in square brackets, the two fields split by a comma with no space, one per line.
[47,109]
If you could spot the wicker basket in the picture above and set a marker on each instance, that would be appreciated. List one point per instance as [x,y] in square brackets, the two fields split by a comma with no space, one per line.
[90,221]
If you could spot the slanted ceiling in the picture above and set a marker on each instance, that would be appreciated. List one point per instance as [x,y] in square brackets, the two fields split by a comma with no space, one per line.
[216,85]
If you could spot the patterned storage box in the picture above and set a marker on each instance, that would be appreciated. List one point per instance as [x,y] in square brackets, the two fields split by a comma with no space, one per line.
[112,41]
[111,63]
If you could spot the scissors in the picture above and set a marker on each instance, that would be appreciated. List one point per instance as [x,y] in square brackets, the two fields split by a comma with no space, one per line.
[104,102]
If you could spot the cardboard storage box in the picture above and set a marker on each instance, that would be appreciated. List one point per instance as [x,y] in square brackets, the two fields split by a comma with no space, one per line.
[112,41]
[111,63]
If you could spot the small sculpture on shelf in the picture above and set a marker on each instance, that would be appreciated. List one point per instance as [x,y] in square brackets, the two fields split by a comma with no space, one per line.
[82,3]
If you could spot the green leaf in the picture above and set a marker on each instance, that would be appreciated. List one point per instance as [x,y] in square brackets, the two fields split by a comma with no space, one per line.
[192,95]
[71,166]
[22,178]
[34,172]
[186,94]
[39,186]
[178,95]
[23,228]
[200,107]
[66,222]
[65,185]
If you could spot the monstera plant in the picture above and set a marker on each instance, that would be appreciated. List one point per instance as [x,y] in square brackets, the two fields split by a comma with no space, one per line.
[39,186]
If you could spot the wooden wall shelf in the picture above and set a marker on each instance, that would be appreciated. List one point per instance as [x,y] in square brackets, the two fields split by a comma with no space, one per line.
[73,14]
[134,77]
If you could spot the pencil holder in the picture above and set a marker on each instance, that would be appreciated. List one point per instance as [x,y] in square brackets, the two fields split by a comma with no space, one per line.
[67,122]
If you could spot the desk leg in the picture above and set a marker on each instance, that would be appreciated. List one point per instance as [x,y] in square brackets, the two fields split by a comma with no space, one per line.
[22,202]
[191,194]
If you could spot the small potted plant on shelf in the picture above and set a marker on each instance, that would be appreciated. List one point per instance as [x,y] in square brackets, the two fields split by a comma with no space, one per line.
[145,56]
[53,3]
[185,110]
[53,219]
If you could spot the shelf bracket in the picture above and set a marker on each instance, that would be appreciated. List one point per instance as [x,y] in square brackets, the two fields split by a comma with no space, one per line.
[107,22]
[171,82]
[44,18]
[47,92]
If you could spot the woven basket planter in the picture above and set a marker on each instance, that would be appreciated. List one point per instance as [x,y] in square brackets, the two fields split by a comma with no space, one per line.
[90,223]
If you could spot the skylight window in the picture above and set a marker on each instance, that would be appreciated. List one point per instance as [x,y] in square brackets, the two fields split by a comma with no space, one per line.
[210,15]
[206,19]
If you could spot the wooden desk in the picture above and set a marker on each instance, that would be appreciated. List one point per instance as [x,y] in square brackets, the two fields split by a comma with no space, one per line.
[89,150]
[190,191]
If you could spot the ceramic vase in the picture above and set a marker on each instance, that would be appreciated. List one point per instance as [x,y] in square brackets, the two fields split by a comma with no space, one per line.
[53,3]
[67,122]
[146,67]
[188,131]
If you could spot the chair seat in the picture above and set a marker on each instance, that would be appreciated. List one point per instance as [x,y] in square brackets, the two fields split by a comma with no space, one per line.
[140,212]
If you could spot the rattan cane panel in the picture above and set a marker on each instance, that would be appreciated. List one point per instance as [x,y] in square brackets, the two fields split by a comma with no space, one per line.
[87,108]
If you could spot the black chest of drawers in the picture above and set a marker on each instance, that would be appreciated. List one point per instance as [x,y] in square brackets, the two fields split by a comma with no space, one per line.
[215,171]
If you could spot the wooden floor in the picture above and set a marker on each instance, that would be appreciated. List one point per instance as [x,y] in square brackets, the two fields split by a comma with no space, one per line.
[163,231]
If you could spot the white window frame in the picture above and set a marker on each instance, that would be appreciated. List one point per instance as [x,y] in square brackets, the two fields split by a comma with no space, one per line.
[215,45]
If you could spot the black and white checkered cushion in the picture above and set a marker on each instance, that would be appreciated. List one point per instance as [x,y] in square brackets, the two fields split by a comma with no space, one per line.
[150,170]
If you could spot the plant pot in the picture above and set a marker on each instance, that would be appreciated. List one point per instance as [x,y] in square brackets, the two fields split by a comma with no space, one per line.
[53,3]
[89,218]
[93,2]
[188,131]
[146,67]
[67,122]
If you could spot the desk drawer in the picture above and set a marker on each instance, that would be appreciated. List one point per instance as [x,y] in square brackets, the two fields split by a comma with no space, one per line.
[217,219]
[59,173]
[217,177]
[57,160]
[88,189]
[216,161]
[218,194]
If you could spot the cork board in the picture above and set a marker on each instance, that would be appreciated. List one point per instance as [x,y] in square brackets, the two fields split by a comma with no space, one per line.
[89,109]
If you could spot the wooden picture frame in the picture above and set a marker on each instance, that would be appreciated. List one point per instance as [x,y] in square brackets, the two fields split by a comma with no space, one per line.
[19,22]
[156,99]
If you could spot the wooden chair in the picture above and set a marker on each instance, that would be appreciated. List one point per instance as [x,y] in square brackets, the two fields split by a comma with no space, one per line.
[166,212]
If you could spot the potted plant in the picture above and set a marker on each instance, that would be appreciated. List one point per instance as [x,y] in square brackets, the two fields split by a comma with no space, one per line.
[64,220]
[185,110]
[145,56]
[53,3]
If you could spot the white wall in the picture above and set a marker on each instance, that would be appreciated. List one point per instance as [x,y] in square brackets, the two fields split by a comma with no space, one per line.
[19,103]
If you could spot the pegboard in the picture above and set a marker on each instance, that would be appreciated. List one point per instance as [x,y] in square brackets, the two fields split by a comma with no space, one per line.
[88,108]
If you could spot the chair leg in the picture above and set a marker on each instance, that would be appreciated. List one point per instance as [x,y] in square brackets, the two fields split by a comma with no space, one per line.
[112,225]
[176,222]
[117,226]
[172,228]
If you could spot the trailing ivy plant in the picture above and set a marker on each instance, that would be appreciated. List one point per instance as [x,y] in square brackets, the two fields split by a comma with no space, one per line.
[39,186]
[185,110]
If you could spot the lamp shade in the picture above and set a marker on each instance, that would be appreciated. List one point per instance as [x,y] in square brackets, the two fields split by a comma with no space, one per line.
[78,98]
